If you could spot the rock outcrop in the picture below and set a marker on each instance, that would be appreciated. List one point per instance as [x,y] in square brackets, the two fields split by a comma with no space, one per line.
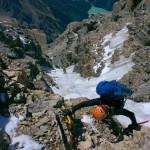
[22,76]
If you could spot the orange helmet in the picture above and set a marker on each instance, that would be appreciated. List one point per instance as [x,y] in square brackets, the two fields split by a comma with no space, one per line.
[101,111]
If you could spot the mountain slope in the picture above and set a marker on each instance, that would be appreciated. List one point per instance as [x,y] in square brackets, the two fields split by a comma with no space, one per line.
[82,45]
[51,16]
[35,14]
[25,89]
[44,15]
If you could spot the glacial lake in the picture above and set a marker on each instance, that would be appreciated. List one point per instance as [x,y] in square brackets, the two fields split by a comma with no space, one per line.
[96,10]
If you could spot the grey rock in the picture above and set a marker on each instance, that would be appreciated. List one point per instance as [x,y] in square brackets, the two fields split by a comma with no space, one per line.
[20,98]
[44,128]
[143,93]
[12,55]
[43,121]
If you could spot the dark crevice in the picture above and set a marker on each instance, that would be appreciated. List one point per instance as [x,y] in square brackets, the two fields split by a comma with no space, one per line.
[64,138]
[135,3]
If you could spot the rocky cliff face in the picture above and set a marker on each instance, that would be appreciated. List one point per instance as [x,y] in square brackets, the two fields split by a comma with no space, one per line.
[23,80]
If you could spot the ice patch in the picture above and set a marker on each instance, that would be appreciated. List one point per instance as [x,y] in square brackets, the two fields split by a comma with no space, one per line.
[115,43]
[96,67]
[119,38]
[24,142]
[107,38]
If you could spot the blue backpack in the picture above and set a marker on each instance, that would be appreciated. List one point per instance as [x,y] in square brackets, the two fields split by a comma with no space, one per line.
[112,90]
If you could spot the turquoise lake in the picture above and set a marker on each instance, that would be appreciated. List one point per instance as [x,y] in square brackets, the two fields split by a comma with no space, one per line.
[96,10]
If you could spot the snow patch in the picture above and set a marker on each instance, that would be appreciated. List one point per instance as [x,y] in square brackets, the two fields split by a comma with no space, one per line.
[116,42]
[119,38]
[72,85]
[96,67]
[24,142]
[89,120]
[9,124]
[141,111]
[23,39]
[107,38]
[95,46]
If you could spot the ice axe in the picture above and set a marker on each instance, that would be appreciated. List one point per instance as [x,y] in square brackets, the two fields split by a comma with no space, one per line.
[62,106]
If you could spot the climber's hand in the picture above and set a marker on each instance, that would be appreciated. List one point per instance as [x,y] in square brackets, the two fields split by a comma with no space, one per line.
[59,104]
[67,112]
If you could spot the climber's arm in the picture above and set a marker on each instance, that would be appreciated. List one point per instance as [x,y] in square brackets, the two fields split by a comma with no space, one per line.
[91,102]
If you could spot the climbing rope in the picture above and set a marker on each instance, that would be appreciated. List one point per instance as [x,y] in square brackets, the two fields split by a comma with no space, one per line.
[73,85]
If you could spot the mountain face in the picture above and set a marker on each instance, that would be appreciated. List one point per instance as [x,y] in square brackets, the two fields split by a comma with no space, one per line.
[82,44]
[35,14]
[51,16]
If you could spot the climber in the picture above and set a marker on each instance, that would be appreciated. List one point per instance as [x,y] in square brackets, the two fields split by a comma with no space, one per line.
[111,102]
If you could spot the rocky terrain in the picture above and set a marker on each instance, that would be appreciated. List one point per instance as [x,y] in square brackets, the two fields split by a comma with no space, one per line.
[25,87]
